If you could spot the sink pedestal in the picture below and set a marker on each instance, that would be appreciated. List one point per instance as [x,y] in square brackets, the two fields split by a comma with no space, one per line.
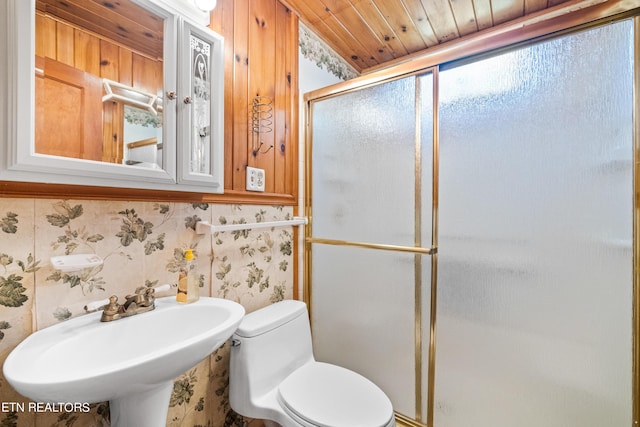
[143,409]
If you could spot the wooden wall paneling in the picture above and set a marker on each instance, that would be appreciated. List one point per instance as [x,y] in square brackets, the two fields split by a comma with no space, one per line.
[286,143]
[86,52]
[262,76]
[240,95]
[109,57]
[293,159]
[125,67]
[64,44]
[92,123]
[147,74]
[222,22]
[282,101]
[39,35]
[45,37]
[111,131]
[158,66]
[261,57]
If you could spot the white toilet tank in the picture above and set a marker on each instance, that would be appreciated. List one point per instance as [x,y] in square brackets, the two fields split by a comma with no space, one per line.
[268,345]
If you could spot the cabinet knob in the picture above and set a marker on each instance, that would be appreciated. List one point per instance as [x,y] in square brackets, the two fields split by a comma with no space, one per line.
[187,100]
[171,94]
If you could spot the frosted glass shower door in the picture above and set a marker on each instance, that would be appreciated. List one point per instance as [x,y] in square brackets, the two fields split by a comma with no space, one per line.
[534,307]
[365,170]
[363,165]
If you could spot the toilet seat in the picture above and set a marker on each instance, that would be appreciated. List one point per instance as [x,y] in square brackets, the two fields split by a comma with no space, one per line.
[324,395]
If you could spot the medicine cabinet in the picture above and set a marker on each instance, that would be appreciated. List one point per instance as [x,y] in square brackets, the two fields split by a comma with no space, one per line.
[125,94]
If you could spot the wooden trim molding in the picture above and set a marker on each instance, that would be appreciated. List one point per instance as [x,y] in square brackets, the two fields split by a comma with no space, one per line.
[61,191]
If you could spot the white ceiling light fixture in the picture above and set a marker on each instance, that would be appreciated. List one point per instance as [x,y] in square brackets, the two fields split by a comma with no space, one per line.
[205,5]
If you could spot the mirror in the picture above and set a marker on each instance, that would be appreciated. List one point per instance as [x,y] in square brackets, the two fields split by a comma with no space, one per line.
[99,94]
[99,82]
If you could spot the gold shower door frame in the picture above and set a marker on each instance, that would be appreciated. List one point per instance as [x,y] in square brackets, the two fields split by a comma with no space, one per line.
[418,249]
[564,18]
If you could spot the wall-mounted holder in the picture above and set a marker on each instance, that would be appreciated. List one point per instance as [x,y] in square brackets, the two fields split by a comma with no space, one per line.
[203,227]
[77,262]
[261,123]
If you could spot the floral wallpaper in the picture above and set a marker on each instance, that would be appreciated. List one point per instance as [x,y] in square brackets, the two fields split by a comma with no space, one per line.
[136,116]
[315,50]
[141,245]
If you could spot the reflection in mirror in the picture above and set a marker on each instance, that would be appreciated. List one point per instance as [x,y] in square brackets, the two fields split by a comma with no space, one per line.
[88,52]
[142,124]
[128,95]
[142,137]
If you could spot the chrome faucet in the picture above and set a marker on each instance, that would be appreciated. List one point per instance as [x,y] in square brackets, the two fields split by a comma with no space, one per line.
[142,301]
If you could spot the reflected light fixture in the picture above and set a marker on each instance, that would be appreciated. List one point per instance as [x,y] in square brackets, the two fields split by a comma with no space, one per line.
[205,5]
[118,92]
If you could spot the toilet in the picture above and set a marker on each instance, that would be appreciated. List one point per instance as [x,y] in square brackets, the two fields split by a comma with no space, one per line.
[275,377]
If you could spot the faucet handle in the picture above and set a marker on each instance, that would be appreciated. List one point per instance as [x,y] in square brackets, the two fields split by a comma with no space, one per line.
[149,297]
[111,311]
[112,307]
[96,305]
[163,288]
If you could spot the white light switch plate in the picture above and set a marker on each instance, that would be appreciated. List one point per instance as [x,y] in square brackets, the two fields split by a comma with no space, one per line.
[255,179]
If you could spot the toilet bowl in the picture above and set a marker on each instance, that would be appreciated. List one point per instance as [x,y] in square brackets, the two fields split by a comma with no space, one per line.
[275,377]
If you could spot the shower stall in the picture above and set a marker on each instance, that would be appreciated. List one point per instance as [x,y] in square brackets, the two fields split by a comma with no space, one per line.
[471,246]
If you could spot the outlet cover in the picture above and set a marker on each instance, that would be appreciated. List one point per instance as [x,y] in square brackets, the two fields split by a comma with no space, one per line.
[255,179]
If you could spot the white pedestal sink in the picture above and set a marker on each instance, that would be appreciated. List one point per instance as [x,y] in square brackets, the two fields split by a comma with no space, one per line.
[130,362]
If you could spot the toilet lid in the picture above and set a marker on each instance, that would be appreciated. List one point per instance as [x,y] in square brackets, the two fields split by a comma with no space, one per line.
[330,396]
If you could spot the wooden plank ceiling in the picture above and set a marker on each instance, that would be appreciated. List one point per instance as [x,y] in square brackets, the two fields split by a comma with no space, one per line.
[121,21]
[369,33]
[366,33]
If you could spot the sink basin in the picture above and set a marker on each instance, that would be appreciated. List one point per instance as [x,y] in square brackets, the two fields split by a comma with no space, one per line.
[130,362]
